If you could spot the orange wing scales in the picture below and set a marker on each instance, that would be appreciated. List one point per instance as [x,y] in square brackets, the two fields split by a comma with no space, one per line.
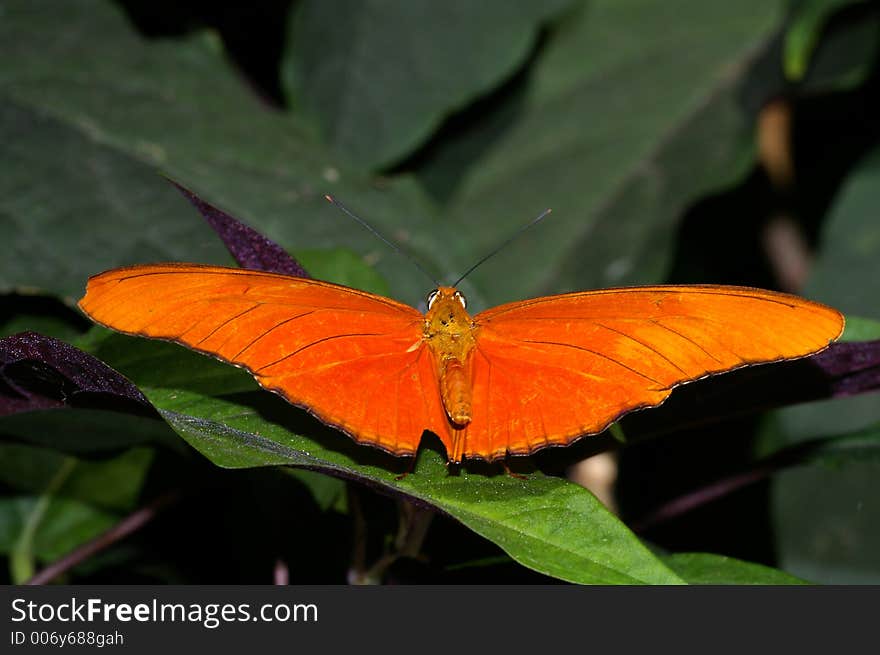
[542,372]
[556,368]
[373,414]
[329,349]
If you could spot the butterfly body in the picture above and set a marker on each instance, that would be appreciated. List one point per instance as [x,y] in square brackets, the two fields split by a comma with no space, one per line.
[509,380]
[450,334]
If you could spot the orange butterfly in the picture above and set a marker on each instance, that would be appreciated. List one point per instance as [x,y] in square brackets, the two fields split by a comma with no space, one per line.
[510,380]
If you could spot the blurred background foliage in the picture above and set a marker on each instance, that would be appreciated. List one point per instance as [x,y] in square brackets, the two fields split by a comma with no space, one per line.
[682,141]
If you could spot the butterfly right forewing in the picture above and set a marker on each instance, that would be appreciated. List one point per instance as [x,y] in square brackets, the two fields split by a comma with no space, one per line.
[551,369]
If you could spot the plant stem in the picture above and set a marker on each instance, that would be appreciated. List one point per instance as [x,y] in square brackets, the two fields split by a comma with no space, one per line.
[693,499]
[131,523]
[21,559]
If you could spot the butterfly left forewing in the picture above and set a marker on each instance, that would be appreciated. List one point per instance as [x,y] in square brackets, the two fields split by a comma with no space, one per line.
[551,369]
[354,359]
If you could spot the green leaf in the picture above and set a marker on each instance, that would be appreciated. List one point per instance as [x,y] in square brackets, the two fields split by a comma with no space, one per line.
[839,450]
[22,552]
[861,329]
[67,508]
[342,267]
[545,523]
[835,450]
[159,105]
[625,116]
[826,522]
[628,115]
[379,83]
[850,251]
[50,206]
[709,568]
[851,244]
[825,56]
[154,363]
[825,516]
[84,431]
[63,525]
[111,483]
[802,36]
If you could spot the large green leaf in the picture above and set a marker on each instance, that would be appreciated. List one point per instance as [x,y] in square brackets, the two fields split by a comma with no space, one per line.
[851,244]
[90,119]
[629,113]
[545,523]
[379,77]
[626,115]
[87,431]
[85,209]
[850,251]
[825,509]
[826,517]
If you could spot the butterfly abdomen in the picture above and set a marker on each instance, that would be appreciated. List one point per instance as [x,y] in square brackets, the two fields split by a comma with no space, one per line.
[455,388]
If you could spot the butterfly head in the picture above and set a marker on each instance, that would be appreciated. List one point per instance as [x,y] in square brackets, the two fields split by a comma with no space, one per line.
[445,293]
[447,313]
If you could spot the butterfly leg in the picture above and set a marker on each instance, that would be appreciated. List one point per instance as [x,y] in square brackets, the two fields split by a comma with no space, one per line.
[411,469]
[507,470]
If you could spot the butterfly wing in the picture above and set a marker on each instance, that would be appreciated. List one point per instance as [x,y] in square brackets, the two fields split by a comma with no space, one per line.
[548,370]
[355,360]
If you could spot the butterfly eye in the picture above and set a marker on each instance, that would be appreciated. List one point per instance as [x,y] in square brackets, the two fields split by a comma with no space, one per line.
[459,296]
[432,297]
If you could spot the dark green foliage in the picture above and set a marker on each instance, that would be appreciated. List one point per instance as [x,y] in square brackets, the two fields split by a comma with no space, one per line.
[447,127]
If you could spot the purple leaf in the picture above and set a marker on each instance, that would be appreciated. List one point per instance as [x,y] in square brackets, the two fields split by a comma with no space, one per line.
[249,248]
[39,372]
[851,368]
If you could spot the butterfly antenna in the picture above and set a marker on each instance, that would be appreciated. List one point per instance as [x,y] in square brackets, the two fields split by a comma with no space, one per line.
[379,236]
[498,249]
